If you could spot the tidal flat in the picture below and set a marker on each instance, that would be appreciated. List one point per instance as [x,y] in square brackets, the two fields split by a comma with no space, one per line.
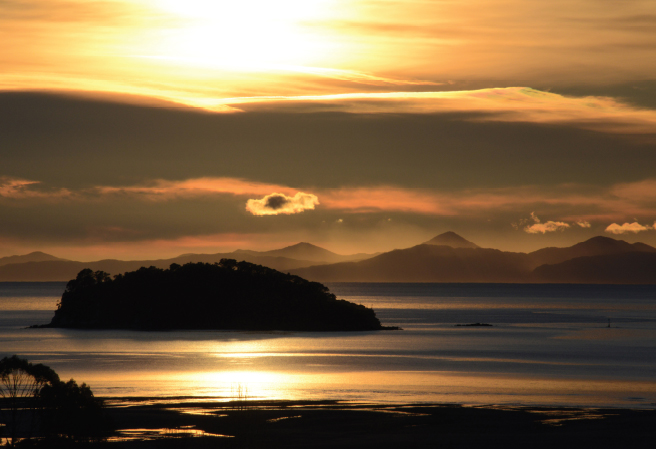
[194,423]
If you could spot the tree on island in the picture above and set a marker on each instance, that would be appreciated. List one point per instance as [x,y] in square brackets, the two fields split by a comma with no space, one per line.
[226,295]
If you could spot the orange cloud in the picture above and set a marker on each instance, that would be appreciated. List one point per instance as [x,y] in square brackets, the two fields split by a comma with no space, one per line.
[279,203]
[510,104]
[626,228]
[575,203]
[549,226]
[164,190]
[592,203]
[20,189]
[644,190]
[386,198]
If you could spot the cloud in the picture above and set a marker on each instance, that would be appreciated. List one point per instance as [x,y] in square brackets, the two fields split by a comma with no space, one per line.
[162,189]
[386,198]
[510,104]
[626,228]
[279,203]
[538,227]
[396,40]
[578,204]
[20,189]
[549,226]
[644,190]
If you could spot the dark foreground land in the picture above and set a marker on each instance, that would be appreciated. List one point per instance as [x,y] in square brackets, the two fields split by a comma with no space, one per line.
[182,423]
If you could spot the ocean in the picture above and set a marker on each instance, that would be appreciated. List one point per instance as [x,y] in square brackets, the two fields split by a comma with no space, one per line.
[552,345]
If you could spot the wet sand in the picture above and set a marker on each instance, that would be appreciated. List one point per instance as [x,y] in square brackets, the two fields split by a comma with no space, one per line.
[198,423]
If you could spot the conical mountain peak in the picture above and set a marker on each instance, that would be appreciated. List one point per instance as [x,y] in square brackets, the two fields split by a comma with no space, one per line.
[451,239]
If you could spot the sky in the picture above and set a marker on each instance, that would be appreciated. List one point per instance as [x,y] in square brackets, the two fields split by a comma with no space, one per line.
[139,129]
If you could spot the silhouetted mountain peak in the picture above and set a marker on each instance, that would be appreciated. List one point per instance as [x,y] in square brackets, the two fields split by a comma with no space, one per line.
[602,243]
[304,251]
[596,246]
[306,245]
[36,256]
[601,240]
[39,254]
[451,239]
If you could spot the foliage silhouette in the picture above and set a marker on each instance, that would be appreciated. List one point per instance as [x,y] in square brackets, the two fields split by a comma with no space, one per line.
[225,295]
[36,403]
[20,381]
[70,411]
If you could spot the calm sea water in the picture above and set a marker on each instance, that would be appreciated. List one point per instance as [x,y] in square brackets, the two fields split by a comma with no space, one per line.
[549,345]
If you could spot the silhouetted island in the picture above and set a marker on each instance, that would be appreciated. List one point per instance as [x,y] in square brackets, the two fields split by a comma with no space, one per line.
[225,295]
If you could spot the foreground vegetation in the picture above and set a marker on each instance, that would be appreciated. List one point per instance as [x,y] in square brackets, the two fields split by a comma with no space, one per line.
[225,295]
[38,409]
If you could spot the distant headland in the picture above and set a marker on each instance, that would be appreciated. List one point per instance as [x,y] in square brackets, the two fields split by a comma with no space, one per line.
[228,295]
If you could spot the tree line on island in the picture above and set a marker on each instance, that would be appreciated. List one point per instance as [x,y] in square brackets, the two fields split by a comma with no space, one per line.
[228,295]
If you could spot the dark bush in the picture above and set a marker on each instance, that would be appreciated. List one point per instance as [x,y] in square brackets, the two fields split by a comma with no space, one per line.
[70,411]
[35,403]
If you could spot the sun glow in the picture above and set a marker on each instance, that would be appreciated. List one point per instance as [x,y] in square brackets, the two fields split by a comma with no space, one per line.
[246,35]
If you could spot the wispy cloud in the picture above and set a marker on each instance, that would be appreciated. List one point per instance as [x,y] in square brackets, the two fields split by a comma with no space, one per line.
[279,203]
[165,189]
[21,189]
[387,198]
[629,228]
[510,104]
[578,205]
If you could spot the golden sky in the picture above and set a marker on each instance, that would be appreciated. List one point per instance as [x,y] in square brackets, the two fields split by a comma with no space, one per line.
[380,122]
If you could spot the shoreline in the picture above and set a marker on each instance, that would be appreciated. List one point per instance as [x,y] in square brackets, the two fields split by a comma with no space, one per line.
[202,422]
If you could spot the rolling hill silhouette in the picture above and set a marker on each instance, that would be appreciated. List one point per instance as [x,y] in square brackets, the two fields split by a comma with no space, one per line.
[426,263]
[596,246]
[307,252]
[36,256]
[447,257]
[44,267]
[455,260]
[637,267]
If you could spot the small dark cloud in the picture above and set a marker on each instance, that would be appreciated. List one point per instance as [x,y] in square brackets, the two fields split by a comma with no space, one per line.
[275,202]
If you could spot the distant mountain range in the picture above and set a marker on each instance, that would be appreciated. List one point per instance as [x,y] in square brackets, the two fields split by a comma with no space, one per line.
[451,258]
[447,257]
[38,266]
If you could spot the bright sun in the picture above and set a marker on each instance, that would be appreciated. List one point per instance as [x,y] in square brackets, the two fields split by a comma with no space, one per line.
[245,34]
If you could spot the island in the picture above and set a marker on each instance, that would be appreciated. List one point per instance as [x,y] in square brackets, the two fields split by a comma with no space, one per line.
[227,295]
